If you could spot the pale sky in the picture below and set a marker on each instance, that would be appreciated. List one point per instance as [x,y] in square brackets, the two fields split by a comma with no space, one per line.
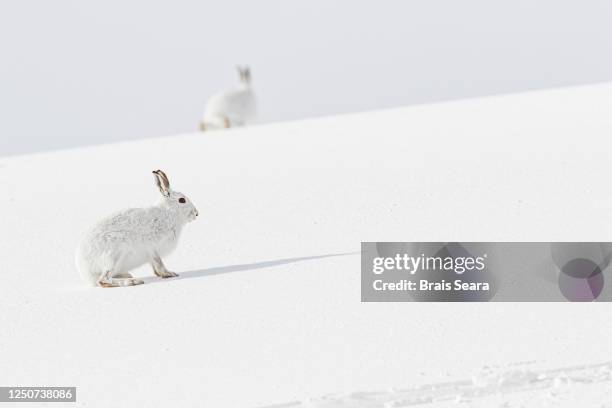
[87,72]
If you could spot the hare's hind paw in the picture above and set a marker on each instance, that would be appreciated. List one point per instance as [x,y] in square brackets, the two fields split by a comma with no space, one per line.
[133,282]
[119,282]
[105,284]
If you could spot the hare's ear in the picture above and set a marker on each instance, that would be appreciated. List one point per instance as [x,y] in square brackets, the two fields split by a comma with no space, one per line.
[245,74]
[162,182]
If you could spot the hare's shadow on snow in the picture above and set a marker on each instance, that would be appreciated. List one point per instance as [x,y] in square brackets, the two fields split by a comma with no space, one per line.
[219,270]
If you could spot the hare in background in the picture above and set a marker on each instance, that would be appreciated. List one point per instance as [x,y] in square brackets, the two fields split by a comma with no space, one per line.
[133,237]
[231,108]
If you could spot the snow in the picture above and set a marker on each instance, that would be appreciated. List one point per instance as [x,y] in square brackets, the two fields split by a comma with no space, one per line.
[267,309]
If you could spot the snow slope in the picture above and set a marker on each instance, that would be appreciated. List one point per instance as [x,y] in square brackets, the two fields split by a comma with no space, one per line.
[267,309]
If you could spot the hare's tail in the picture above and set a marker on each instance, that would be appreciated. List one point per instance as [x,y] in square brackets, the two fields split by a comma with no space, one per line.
[85,269]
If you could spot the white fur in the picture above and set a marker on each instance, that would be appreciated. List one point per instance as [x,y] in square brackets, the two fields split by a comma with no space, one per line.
[235,107]
[131,238]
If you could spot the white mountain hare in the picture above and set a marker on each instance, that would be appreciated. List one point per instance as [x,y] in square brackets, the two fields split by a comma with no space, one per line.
[133,237]
[235,107]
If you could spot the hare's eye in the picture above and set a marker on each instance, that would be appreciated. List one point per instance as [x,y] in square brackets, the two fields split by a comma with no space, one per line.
[182,200]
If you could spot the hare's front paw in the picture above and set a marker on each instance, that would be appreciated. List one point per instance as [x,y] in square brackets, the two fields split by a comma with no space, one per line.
[167,274]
